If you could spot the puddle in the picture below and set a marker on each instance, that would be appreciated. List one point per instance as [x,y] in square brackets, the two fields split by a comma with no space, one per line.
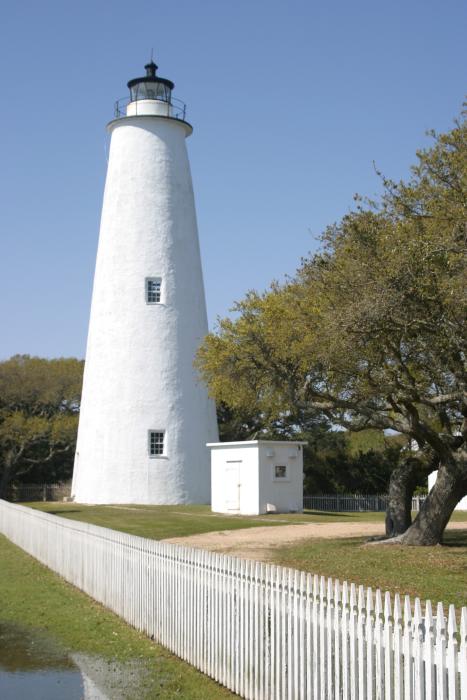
[34,667]
[31,666]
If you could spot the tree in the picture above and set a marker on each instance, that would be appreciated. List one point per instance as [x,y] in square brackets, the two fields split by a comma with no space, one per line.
[371,332]
[333,465]
[39,404]
[333,461]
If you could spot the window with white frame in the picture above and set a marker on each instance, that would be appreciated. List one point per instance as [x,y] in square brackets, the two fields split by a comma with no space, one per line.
[156,443]
[153,290]
[280,471]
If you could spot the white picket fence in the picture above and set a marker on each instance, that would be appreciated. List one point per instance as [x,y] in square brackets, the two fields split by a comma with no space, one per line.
[265,632]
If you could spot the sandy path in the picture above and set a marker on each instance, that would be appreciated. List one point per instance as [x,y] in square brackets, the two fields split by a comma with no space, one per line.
[259,542]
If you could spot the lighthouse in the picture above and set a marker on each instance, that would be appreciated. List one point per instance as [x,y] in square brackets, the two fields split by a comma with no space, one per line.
[145,418]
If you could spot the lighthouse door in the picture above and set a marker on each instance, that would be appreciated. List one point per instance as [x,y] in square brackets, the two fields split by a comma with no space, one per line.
[232,486]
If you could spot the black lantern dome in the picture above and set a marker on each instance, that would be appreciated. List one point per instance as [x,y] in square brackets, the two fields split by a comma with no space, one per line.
[151,86]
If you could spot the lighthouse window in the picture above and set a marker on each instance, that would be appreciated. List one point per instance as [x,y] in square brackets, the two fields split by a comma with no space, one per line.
[153,290]
[156,443]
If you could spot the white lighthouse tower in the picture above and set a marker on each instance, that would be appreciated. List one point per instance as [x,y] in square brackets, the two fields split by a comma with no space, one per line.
[145,419]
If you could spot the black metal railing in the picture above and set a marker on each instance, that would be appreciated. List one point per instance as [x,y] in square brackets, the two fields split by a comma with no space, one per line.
[353,502]
[38,492]
[176,109]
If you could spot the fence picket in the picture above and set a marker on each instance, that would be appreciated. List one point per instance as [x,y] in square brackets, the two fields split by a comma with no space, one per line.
[361,641]
[388,634]
[441,678]
[309,638]
[398,654]
[330,620]
[463,654]
[370,645]
[452,655]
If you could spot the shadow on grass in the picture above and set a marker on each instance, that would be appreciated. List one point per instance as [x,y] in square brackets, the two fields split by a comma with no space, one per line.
[455,538]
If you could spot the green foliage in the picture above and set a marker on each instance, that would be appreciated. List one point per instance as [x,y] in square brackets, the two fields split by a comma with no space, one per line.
[334,461]
[372,441]
[331,465]
[39,403]
[371,332]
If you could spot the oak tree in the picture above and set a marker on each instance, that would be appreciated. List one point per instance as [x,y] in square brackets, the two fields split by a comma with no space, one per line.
[371,332]
[39,404]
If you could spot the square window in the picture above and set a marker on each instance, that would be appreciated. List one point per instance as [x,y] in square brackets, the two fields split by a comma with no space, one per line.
[153,290]
[156,443]
[280,471]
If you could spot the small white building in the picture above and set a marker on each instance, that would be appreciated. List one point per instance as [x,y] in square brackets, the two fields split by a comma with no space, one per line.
[256,476]
[462,505]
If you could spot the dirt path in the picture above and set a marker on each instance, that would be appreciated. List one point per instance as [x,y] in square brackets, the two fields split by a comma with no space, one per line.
[259,543]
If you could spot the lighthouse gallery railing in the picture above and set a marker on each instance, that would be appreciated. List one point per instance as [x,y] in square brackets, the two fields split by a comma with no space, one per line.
[176,109]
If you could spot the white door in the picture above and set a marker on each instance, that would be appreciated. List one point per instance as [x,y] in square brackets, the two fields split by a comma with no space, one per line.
[232,486]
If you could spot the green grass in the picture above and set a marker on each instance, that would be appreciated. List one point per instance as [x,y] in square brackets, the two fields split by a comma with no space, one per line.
[161,522]
[436,573]
[33,597]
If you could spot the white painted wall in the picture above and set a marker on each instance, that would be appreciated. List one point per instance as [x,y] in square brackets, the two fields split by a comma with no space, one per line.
[462,505]
[287,494]
[139,362]
[225,497]
[256,487]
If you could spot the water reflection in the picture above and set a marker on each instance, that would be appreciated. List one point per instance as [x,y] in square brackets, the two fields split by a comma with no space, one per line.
[31,666]
[34,667]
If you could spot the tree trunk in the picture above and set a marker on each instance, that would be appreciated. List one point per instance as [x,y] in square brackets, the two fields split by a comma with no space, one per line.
[10,459]
[5,476]
[430,523]
[401,488]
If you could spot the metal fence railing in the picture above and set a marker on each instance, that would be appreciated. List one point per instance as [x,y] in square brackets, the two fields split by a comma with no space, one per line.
[24,493]
[335,503]
[353,502]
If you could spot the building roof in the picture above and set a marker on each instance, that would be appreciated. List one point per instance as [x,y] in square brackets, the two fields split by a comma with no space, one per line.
[242,443]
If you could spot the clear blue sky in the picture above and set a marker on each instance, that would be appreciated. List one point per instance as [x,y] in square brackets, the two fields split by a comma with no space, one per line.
[291,103]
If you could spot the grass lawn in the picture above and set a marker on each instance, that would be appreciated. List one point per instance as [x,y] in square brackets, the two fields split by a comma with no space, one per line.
[161,522]
[438,573]
[33,597]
